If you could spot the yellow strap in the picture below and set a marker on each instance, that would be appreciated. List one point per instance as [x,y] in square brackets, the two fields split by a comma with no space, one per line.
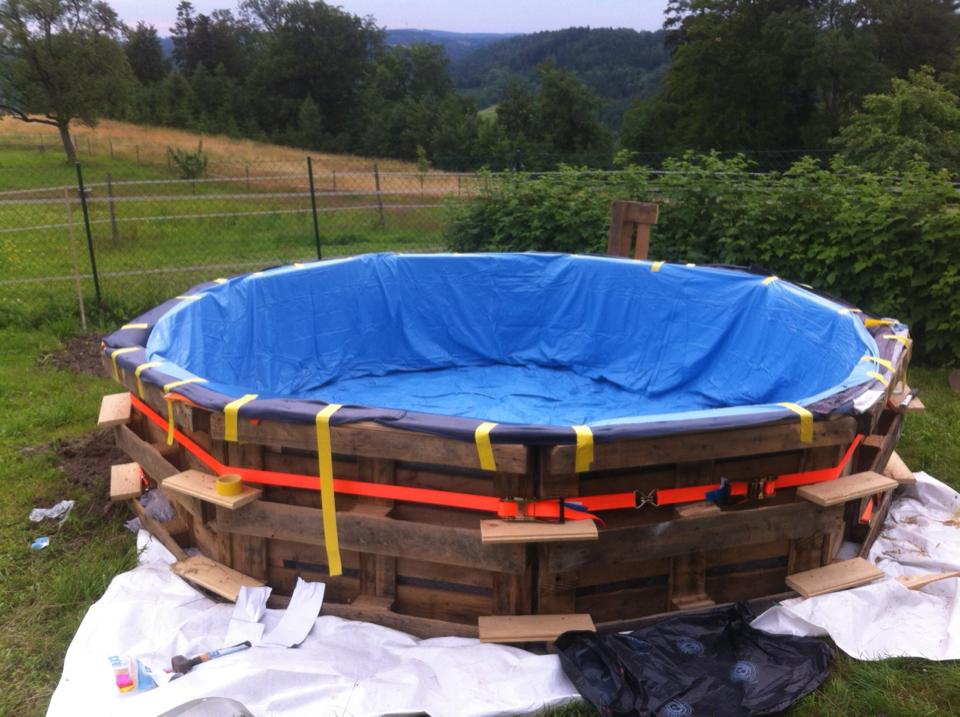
[879,361]
[655,266]
[878,322]
[135,326]
[327,505]
[806,421]
[139,370]
[691,265]
[484,450]
[230,412]
[770,279]
[219,281]
[584,456]
[189,297]
[113,359]
[297,265]
[879,377]
[896,337]
[850,311]
[167,389]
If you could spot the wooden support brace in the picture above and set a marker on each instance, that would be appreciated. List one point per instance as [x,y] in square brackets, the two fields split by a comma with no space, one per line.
[531,628]
[114,410]
[378,573]
[158,531]
[625,216]
[851,487]
[898,470]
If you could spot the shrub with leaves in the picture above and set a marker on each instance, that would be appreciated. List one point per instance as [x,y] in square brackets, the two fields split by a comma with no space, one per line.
[192,165]
[890,245]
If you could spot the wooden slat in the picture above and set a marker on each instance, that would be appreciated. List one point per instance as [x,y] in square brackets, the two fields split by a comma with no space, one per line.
[836,576]
[114,410]
[203,486]
[530,628]
[898,470]
[851,487]
[529,531]
[375,441]
[728,529]
[376,534]
[915,582]
[125,481]
[146,454]
[774,438]
[215,577]
[155,528]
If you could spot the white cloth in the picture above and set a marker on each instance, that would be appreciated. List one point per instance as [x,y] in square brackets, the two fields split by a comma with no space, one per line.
[343,667]
[920,535]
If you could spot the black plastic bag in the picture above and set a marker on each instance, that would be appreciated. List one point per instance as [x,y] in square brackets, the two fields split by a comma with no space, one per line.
[712,664]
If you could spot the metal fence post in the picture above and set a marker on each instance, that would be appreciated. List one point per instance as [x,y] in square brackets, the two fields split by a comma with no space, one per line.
[113,214]
[248,174]
[73,258]
[334,180]
[86,224]
[137,147]
[313,206]
[376,179]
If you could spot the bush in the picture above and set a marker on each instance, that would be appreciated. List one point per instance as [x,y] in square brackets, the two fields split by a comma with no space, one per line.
[887,244]
[192,165]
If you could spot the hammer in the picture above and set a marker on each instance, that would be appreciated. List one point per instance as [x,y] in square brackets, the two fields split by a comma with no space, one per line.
[182,665]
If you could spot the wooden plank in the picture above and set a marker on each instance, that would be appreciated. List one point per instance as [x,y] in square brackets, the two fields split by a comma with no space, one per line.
[149,458]
[114,410]
[375,441]
[158,531]
[836,576]
[915,582]
[530,628]
[529,531]
[754,440]
[126,481]
[805,554]
[915,405]
[851,487]
[213,576]
[728,529]
[203,486]
[376,534]
[898,470]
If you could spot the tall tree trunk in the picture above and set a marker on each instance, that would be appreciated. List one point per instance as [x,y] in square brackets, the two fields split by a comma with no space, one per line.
[71,152]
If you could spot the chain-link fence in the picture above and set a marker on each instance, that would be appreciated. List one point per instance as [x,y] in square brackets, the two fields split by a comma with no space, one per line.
[104,233]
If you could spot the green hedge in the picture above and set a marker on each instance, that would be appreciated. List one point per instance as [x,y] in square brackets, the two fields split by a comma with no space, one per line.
[890,245]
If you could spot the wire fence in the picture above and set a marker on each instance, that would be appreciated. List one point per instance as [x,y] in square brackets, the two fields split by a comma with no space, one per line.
[76,237]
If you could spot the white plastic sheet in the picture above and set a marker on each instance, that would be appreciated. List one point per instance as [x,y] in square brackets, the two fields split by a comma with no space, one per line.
[920,535]
[344,668]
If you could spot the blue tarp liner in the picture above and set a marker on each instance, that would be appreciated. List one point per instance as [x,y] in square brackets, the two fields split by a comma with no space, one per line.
[533,340]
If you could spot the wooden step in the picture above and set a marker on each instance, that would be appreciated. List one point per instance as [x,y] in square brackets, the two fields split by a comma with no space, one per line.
[915,405]
[215,577]
[126,481]
[851,487]
[915,582]
[196,484]
[531,628]
[836,576]
[114,410]
[531,531]
[898,470]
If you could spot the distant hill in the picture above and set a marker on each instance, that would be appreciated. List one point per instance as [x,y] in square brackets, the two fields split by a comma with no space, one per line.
[617,64]
[457,45]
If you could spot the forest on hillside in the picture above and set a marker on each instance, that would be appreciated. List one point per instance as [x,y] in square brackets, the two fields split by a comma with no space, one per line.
[874,79]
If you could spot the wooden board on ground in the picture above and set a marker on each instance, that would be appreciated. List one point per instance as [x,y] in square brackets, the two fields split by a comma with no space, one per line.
[857,485]
[125,481]
[530,628]
[915,582]
[899,471]
[836,576]
[529,531]
[197,484]
[215,577]
[114,410]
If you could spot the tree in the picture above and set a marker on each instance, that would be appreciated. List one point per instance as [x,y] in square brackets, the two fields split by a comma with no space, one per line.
[63,62]
[145,54]
[567,117]
[309,124]
[211,40]
[919,119]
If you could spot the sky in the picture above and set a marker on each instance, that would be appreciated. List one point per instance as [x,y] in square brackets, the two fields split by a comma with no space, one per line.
[452,15]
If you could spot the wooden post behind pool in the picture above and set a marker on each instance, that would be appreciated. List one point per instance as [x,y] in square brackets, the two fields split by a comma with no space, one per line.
[624,216]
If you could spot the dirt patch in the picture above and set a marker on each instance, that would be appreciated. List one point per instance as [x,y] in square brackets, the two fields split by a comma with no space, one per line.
[86,464]
[80,354]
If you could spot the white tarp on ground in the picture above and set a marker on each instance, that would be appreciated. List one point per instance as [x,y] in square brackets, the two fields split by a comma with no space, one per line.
[921,535]
[343,668]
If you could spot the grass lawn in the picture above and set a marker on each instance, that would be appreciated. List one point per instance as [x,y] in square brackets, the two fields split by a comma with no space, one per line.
[43,595]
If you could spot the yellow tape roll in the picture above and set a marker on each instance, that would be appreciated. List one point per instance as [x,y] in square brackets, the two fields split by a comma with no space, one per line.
[229,484]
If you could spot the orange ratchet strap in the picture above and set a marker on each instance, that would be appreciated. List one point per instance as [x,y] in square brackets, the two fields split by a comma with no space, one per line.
[525,508]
